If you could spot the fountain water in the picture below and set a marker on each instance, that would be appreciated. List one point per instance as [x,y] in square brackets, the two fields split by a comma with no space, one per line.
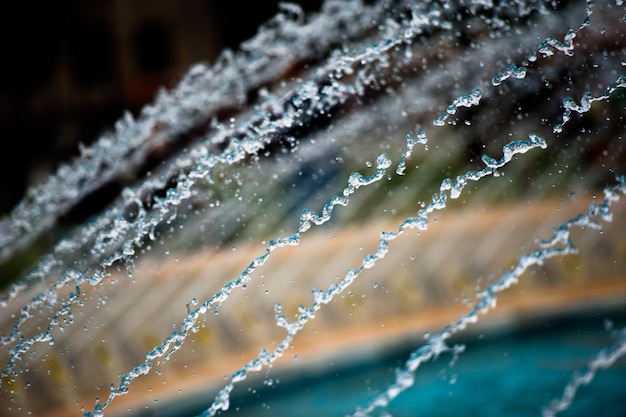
[358,112]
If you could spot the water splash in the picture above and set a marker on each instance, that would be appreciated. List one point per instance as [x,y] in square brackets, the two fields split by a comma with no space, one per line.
[546,48]
[176,339]
[405,62]
[113,230]
[323,297]
[559,245]
[511,71]
[410,143]
[200,96]
[585,102]
[466,100]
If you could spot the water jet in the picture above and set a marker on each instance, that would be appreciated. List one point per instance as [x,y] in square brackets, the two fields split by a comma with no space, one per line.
[392,169]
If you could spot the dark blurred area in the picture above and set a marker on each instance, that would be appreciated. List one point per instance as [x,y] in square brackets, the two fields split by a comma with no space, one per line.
[71,68]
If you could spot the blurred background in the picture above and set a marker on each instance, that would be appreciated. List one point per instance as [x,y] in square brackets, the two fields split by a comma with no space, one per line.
[71,68]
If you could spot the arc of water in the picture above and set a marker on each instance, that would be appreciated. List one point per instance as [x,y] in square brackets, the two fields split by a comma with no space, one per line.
[570,105]
[320,297]
[202,92]
[510,71]
[567,46]
[165,208]
[106,236]
[143,227]
[198,93]
[559,245]
[487,299]
[331,94]
[519,72]
[174,342]
[546,49]
[320,98]
[466,100]
[111,228]
[604,359]
[110,233]
[410,143]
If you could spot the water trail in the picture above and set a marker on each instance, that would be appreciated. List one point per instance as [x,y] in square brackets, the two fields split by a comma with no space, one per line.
[275,114]
[559,245]
[546,48]
[510,71]
[175,341]
[200,95]
[323,297]
[113,237]
[567,46]
[113,230]
[410,144]
[604,359]
[204,91]
[466,100]
[343,76]
[570,105]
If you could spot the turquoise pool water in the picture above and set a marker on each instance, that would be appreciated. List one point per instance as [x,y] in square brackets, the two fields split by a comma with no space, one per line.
[512,374]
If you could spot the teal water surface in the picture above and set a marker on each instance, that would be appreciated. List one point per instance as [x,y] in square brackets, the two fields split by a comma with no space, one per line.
[512,374]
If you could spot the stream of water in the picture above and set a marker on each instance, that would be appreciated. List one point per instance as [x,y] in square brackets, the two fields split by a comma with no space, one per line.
[401,111]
